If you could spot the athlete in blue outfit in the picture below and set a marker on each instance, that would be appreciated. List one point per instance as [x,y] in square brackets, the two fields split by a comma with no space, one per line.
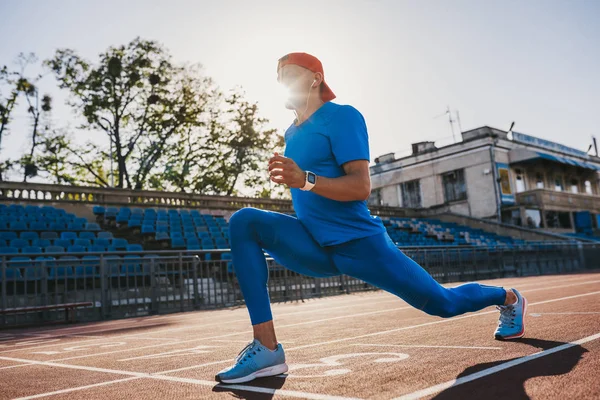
[326,167]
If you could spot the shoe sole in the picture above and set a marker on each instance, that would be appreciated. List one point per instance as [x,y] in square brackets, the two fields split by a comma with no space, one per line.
[520,334]
[263,373]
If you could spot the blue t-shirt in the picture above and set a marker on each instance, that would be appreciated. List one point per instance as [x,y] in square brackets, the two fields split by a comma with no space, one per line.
[330,137]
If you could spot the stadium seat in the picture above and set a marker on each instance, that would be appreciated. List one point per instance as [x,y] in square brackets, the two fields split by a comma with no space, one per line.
[63,243]
[105,235]
[87,235]
[8,235]
[31,250]
[9,250]
[60,272]
[88,267]
[135,247]
[29,235]
[193,246]
[18,226]
[110,213]
[41,243]
[2,243]
[102,242]
[58,226]
[76,226]
[54,249]
[38,226]
[19,243]
[132,265]
[92,226]
[98,210]
[12,273]
[134,223]
[161,236]
[96,248]
[82,242]
[176,235]
[148,229]
[119,244]
[49,235]
[178,243]
[68,235]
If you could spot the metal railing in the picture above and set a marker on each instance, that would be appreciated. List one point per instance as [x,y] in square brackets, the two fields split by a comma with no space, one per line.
[121,285]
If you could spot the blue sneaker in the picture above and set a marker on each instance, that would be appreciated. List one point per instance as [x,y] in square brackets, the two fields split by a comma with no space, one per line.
[512,319]
[254,361]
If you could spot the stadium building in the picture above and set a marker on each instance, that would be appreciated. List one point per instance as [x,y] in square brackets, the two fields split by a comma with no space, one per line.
[511,178]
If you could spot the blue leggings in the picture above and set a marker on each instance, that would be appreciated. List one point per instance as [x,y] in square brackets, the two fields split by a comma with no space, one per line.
[375,260]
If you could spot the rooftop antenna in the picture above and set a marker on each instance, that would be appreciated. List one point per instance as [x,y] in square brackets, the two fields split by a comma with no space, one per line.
[451,121]
[510,131]
[458,120]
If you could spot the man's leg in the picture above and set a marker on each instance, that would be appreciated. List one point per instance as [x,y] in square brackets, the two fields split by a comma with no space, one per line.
[377,261]
[288,242]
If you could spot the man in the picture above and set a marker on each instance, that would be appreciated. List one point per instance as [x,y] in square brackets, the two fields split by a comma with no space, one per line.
[326,167]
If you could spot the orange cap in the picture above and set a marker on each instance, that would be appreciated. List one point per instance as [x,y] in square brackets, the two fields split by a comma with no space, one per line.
[311,63]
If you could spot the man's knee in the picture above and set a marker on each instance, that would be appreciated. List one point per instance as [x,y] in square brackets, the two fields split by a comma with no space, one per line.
[443,308]
[243,219]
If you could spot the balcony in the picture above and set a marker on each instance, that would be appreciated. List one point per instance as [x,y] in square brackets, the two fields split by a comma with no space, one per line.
[560,201]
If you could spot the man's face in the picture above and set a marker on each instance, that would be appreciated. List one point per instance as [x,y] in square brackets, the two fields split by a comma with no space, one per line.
[297,82]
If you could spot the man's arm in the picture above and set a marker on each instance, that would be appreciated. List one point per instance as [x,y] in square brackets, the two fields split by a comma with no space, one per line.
[354,186]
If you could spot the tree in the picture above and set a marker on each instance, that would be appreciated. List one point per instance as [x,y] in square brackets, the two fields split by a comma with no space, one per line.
[55,159]
[28,87]
[241,145]
[125,95]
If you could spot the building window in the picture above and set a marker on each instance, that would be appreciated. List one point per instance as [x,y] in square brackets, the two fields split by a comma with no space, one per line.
[511,217]
[558,219]
[533,218]
[588,187]
[411,194]
[520,179]
[504,181]
[539,180]
[574,186]
[455,188]
[558,183]
[375,198]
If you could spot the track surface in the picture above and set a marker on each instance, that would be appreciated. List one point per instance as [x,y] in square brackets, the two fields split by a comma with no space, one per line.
[369,345]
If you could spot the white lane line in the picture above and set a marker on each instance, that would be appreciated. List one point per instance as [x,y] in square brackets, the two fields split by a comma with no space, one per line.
[501,367]
[433,323]
[418,346]
[368,299]
[37,396]
[159,376]
[565,313]
[442,321]
[306,323]
[395,299]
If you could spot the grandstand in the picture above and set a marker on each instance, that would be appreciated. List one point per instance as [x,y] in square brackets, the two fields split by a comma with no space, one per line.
[137,253]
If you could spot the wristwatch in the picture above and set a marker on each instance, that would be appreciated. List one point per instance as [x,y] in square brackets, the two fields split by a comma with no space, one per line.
[310,182]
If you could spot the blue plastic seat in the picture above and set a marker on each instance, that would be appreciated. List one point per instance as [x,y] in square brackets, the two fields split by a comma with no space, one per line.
[19,243]
[97,248]
[162,228]
[148,229]
[75,226]
[92,226]
[68,235]
[178,243]
[87,235]
[134,223]
[31,250]
[60,272]
[54,249]
[161,236]
[135,247]
[38,226]
[2,243]
[193,246]
[132,265]
[58,226]
[102,242]
[76,249]
[176,235]
[104,235]
[82,242]
[98,210]
[29,235]
[41,243]
[12,274]
[189,228]
[120,244]
[111,212]
[8,236]
[63,243]
[18,226]
[49,235]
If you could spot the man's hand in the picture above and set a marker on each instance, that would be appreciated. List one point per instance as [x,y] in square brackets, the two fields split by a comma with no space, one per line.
[285,171]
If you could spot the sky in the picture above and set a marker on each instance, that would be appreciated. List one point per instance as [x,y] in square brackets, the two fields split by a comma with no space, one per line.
[400,63]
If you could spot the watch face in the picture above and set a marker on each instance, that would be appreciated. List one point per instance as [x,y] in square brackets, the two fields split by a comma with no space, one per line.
[312,178]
